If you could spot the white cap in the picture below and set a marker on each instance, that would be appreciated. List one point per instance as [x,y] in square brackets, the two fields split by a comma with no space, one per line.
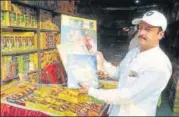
[153,18]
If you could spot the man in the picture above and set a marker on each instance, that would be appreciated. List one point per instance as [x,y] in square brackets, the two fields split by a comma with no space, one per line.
[144,72]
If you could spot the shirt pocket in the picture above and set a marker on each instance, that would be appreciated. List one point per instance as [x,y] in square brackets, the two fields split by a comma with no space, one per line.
[131,80]
[132,77]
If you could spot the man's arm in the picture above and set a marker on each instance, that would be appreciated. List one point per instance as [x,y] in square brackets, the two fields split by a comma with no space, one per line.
[146,84]
[105,66]
[110,69]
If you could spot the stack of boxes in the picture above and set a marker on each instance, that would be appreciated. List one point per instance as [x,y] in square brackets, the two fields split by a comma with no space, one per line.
[49,57]
[49,39]
[18,16]
[5,8]
[46,21]
[18,41]
[13,65]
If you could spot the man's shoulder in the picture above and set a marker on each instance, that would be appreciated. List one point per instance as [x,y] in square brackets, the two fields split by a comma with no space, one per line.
[162,60]
[162,56]
[133,51]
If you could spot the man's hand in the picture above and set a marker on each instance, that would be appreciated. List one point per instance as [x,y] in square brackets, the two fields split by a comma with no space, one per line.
[84,89]
[102,75]
[99,55]
[115,64]
[100,60]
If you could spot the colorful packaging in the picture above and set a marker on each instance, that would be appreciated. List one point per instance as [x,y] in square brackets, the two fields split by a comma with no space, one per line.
[57,39]
[43,42]
[7,68]
[28,21]
[18,43]
[3,43]
[15,65]
[6,5]
[13,19]
[45,19]
[20,64]
[30,44]
[26,61]
[35,41]
[4,18]
[11,43]
[6,44]
[34,59]
[34,22]
[3,71]
[22,20]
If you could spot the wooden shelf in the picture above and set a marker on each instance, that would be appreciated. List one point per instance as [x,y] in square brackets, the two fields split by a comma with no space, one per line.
[36,30]
[18,28]
[47,30]
[5,81]
[47,49]
[36,70]
[15,77]
[35,7]
[28,29]
[17,53]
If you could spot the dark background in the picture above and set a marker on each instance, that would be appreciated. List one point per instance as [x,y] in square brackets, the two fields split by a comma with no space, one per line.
[113,15]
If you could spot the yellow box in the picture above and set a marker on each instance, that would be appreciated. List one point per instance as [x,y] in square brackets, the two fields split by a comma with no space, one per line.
[68,98]
[20,64]
[3,66]
[55,112]
[30,104]
[28,21]
[70,113]
[4,18]
[12,19]
[84,98]
[7,68]
[21,20]
[41,106]
[45,19]
[34,22]
[36,60]
[19,42]
[35,41]
[4,43]
[6,5]
[42,40]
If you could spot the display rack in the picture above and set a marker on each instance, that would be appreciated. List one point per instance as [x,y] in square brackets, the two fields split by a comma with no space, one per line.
[17,53]
[46,30]
[37,31]
[35,7]
[18,28]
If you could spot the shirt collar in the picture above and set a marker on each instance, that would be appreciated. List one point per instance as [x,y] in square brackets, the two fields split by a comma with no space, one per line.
[148,52]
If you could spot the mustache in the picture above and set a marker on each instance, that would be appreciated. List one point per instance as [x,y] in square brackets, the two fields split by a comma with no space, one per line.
[140,36]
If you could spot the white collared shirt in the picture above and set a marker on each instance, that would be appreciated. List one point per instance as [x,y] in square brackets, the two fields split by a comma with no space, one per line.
[143,76]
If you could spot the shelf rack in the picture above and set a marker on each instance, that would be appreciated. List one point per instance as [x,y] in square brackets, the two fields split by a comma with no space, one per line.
[36,30]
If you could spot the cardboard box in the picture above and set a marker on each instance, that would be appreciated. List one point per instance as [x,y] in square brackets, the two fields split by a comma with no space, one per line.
[4,18]
[6,5]
[12,19]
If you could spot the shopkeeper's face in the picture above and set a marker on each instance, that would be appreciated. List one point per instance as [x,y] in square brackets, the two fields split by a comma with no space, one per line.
[148,35]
